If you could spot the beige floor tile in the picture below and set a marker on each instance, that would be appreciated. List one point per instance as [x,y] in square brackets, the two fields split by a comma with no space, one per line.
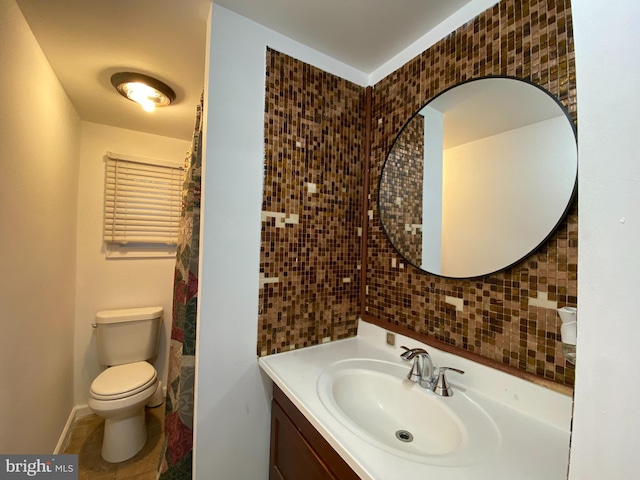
[90,475]
[86,436]
[140,476]
[85,440]
[89,421]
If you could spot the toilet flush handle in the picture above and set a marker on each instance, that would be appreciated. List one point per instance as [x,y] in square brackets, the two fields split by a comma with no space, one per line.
[94,325]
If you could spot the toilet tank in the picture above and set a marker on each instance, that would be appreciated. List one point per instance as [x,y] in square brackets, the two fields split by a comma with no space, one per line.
[128,335]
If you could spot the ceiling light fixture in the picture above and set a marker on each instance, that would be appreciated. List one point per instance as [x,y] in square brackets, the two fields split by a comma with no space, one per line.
[143,89]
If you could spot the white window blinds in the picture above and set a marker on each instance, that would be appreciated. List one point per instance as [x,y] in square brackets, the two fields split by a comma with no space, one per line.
[143,199]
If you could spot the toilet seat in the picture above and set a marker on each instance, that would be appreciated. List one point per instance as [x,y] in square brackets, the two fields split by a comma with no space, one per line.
[123,381]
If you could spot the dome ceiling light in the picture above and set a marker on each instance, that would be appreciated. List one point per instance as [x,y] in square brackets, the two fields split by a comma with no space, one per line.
[143,89]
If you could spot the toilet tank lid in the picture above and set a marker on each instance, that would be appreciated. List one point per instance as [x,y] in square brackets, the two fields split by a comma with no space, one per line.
[128,314]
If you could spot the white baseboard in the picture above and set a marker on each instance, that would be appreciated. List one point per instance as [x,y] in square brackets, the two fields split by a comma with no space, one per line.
[78,411]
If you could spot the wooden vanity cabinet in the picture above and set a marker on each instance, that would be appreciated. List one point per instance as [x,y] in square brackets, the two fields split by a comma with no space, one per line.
[298,451]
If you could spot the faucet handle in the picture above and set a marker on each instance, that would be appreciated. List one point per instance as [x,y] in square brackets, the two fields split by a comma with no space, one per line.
[441,387]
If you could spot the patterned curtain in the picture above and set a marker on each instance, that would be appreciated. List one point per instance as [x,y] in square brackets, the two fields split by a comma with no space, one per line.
[177,459]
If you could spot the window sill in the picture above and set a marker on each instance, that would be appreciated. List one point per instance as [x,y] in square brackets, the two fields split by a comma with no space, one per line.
[115,251]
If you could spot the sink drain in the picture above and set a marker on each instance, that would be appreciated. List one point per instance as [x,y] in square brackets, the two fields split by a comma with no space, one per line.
[404,436]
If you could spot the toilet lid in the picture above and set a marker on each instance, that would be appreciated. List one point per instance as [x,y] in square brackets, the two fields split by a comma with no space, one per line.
[123,381]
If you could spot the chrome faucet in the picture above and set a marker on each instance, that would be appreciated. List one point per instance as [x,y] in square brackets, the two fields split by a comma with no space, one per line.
[423,372]
[422,369]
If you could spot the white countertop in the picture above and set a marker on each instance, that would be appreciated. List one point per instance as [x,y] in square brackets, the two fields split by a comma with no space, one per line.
[533,421]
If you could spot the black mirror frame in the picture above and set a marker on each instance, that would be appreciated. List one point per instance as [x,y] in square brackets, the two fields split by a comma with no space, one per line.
[546,238]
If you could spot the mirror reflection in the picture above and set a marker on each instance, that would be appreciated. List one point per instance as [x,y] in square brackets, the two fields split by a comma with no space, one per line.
[479,177]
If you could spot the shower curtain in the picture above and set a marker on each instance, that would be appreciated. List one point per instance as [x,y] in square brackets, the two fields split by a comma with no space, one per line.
[176,463]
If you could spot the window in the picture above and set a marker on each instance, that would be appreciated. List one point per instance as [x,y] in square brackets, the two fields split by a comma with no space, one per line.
[143,201]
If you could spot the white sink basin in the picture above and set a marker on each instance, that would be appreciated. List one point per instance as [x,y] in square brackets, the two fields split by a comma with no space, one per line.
[374,400]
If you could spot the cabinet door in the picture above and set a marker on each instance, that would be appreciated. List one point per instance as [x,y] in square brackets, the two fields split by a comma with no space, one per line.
[292,458]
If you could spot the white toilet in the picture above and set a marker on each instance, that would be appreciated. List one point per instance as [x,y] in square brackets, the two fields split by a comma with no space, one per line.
[126,339]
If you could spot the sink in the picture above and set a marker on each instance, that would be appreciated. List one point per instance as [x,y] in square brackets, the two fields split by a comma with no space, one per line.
[375,401]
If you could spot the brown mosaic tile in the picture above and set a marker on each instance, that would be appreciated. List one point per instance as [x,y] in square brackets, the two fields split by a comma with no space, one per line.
[312,206]
[509,316]
[401,191]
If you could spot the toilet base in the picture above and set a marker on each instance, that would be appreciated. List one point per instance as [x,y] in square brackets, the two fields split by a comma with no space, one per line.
[124,437]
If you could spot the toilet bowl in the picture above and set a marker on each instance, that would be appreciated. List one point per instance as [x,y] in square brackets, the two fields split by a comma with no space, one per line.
[126,339]
[119,395]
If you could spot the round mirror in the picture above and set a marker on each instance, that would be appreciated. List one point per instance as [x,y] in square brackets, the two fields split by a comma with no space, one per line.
[479,178]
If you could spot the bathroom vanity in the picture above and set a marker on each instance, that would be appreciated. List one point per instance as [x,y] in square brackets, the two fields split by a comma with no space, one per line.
[297,449]
[345,410]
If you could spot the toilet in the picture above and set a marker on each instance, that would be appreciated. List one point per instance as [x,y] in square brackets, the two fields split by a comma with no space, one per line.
[126,340]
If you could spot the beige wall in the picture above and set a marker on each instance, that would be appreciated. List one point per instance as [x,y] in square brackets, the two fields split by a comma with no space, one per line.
[54,273]
[39,147]
[114,283]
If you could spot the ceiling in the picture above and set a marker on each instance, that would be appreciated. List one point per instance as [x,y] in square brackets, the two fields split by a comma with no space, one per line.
[361,33]
[86,41]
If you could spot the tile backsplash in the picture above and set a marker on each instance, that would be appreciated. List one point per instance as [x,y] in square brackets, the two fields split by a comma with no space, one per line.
[509,317]
[312,206]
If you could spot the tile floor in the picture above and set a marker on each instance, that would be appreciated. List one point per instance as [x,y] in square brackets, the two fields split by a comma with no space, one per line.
[86,440]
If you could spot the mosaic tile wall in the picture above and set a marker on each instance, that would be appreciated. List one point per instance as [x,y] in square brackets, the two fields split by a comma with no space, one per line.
[401,191]
[312,206]
[511,316]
